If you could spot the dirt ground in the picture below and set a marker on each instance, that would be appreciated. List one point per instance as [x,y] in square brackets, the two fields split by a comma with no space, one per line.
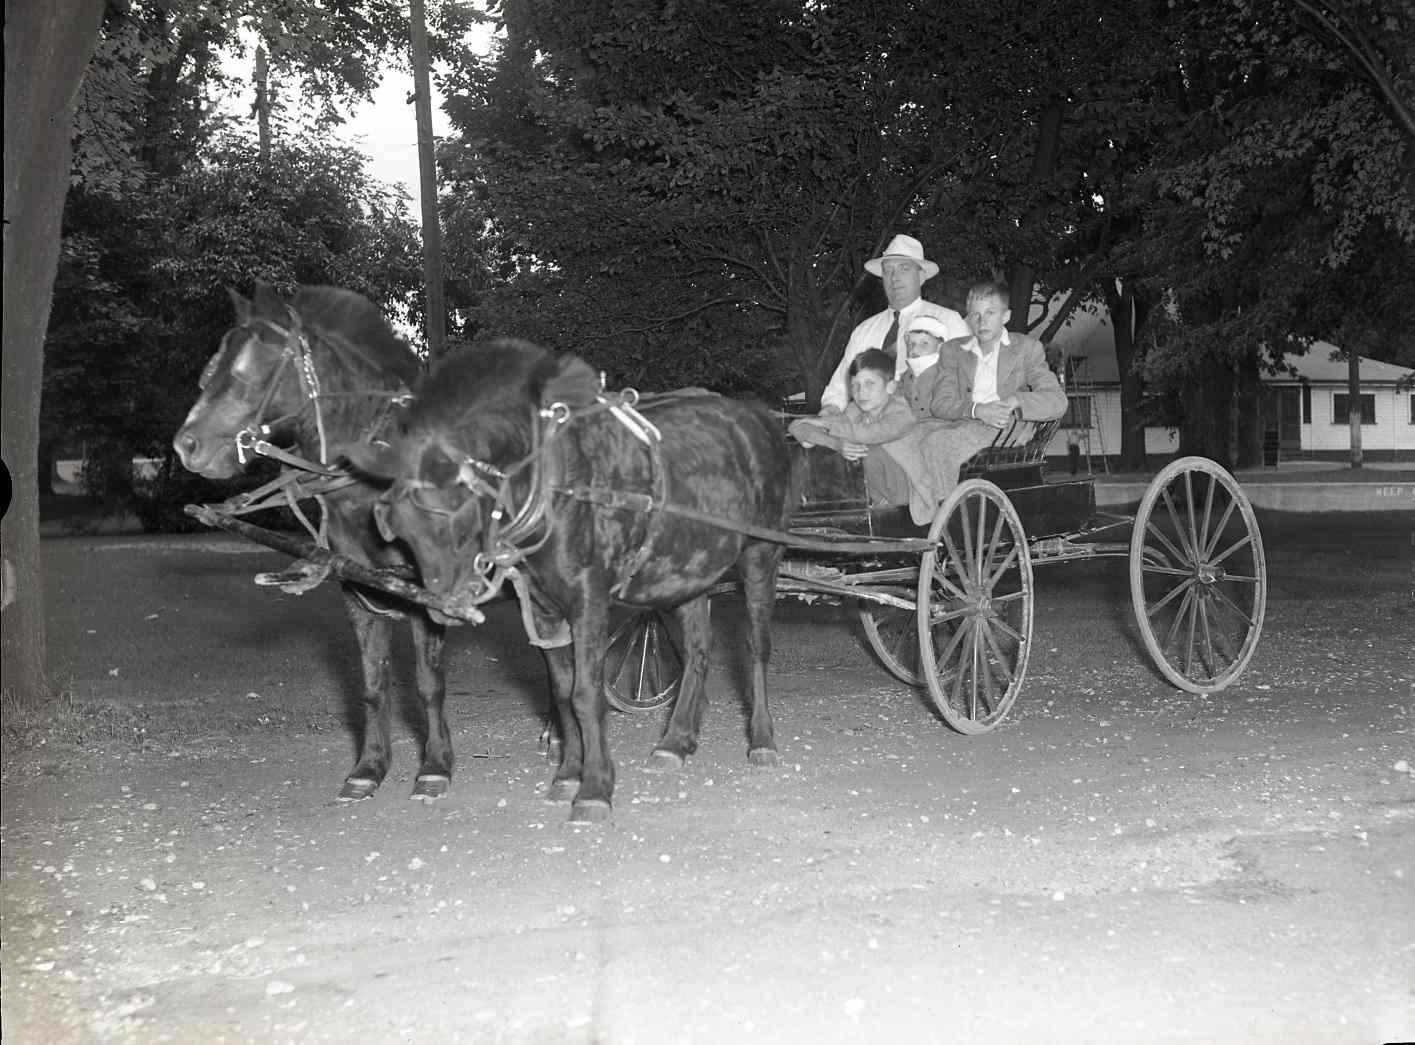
[1120,862]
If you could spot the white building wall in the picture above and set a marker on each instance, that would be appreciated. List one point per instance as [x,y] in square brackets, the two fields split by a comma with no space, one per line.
[1106,428]
[1392,430]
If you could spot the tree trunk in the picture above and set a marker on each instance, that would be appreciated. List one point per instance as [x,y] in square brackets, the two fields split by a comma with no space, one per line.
[1126,316]
[47,48]
[427,186]
[1022,273]
[1353,406]
[1248,404]
[1208,428]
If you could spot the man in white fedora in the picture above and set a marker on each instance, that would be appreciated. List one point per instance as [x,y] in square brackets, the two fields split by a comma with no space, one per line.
[903,269]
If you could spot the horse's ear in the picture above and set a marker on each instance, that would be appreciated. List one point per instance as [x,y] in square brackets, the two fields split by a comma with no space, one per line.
[267,301]
[377,461]
[572,382]
[241,304]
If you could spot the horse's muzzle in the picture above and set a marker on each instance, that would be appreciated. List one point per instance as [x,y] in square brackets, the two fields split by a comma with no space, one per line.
[211,460]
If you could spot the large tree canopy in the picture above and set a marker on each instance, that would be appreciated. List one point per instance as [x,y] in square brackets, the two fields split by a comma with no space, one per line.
[687,192]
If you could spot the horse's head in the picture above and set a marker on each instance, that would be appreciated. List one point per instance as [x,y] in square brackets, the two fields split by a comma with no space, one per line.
[460,470]
[251,380]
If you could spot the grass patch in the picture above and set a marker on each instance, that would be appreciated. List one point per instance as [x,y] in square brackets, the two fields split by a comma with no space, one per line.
[65,720]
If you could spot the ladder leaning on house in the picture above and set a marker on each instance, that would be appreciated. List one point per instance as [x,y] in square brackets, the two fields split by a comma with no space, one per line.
[1083,421]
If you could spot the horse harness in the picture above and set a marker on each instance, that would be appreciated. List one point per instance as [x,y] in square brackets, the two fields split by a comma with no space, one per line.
[514,532]
[293,484]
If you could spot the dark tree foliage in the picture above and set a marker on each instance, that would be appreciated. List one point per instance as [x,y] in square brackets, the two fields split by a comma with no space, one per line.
[141,299]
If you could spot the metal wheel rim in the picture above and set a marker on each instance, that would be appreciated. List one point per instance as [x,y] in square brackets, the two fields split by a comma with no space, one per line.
[643,663]
[1199,590]
[975,589]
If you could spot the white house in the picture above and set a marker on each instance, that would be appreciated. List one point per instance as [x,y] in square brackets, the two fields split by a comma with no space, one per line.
[1307,407]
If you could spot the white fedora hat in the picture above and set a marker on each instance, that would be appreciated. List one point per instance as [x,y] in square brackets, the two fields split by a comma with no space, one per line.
[906,248]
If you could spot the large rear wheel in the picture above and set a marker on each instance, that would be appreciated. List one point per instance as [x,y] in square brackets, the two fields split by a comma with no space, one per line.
[974,616]
[1198,578]
[643,666]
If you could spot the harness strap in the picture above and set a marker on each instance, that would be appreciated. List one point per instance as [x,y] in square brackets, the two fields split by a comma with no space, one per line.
[653,521]
[528,621]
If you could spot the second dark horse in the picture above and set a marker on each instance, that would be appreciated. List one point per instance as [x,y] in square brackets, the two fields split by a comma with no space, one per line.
[514,465]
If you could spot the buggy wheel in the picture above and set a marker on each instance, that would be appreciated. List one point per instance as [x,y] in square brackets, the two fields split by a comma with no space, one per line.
[1198,579]
[643,665]
[893,635]
[975,608]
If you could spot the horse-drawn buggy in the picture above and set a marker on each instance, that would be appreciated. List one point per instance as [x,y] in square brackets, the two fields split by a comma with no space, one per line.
[948,607]
[514,468]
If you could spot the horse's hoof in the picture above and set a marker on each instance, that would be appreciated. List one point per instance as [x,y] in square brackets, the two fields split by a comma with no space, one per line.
[430,787]
[590,811]
[561,790]
[665,761]
[356,789]
[763,756]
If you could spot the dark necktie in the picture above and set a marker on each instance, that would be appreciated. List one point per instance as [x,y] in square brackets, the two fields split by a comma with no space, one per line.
[892,337]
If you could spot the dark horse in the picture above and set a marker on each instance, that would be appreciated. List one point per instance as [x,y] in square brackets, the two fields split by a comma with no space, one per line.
[512,464]
[325,370]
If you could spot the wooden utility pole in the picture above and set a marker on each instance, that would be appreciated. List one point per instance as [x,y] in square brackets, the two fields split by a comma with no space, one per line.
[262,103]
[1353,405]
[427,186]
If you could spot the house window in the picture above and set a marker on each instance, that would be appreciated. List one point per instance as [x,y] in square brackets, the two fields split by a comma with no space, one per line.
[1306,403]
[1340,403]
[1412,408]
[1078,411]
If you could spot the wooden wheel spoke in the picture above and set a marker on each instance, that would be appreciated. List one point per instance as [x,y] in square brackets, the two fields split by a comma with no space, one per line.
[951,588]
[1220,596]
[964,633]
[979,548]
[1228,652]
[959,562]
[1189,554]
[1178,589]
[1169,571]
[951,615]
[949,651]
[978,673]
[1174,553]
[1009,630]
[1004,666]
[1201,611]
[1201,535]
[1189,645]
[1237,545]
[1216,534]
[1006,564]
[1179,617]
[1192,532]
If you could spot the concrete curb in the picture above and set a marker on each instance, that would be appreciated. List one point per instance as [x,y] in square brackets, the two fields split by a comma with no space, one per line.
[1394,496]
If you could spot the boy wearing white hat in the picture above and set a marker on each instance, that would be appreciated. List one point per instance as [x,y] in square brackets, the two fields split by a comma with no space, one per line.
[903,269]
